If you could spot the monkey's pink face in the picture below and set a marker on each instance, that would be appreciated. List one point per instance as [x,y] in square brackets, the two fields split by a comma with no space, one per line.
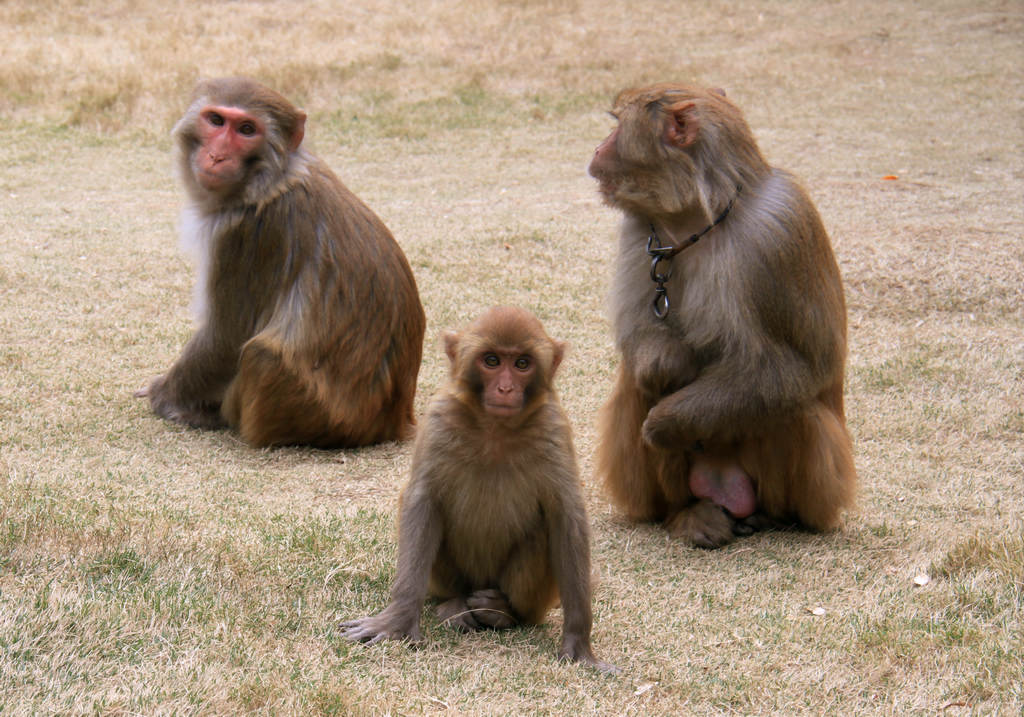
[505,377]
[228,137]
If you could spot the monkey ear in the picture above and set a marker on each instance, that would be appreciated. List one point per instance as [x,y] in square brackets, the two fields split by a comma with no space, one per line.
[683,125]
[557,355]
[298,133]
[451,344]
[718,91]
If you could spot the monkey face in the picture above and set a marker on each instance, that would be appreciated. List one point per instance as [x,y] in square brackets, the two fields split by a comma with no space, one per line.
[228,138]
[505,379]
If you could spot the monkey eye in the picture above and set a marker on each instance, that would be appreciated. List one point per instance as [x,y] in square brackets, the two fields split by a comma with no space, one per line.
[247,128]
[215,119]
[523,363]
[491,360]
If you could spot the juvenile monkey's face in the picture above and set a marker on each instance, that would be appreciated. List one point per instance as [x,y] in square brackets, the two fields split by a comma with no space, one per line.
[505,377]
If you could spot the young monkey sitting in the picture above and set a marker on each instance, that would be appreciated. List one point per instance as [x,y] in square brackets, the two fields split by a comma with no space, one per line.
[492,522]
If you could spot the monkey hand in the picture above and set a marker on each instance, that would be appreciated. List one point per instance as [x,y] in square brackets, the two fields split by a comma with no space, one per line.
[576,648]
[150,389]
[667,427]
[382,626]
[163,404]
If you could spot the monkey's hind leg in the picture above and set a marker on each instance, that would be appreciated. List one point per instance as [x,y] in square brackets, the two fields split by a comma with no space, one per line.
[804,469]
[825,480]
[269,403]
[527,580]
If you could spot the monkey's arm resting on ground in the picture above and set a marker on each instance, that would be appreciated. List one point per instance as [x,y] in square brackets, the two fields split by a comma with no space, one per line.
[570,559]
[418,542]
[192,390]
[391,623]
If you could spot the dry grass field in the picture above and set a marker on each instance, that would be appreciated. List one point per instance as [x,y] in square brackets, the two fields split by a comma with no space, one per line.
[146,568]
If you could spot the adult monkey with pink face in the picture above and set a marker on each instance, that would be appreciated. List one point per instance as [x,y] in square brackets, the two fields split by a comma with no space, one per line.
[727,304]
[310,328]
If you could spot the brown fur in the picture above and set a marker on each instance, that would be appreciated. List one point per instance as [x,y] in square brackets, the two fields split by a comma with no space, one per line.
[492,522]
[310,328]
[749,363]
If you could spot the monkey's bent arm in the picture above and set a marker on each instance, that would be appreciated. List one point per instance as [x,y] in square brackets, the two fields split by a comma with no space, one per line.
[192,389]
[733,393]
[774,359]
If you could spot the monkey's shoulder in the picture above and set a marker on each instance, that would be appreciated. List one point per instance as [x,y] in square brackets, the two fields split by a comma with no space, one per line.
[779,216]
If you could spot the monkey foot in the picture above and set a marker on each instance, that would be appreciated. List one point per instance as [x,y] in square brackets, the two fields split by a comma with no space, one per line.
[455,613]
[481,610]
[754,523]
[703,524]
[491,609]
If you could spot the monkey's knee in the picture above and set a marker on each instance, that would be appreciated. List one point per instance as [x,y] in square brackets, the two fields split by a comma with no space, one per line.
[624,462]
[829,480]
[269,403]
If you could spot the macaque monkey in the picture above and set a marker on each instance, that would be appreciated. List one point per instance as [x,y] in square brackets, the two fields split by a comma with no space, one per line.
[728,310]
[492,522]
[309,323]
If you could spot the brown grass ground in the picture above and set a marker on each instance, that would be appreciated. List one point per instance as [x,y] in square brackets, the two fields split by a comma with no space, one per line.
[150,569]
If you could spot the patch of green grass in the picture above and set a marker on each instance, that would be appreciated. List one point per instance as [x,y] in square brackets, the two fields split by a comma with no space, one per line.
[979,553]
[472,105]
[908,370]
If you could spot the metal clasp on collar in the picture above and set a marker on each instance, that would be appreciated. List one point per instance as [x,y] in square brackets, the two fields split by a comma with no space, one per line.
[658,254]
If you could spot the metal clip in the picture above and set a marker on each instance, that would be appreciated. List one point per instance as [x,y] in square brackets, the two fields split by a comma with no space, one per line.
[658,254]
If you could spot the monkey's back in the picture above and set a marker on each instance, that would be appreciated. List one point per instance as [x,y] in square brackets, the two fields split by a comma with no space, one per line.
[341,310]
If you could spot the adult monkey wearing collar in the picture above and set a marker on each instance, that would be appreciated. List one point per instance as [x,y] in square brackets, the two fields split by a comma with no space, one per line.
[727,305]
